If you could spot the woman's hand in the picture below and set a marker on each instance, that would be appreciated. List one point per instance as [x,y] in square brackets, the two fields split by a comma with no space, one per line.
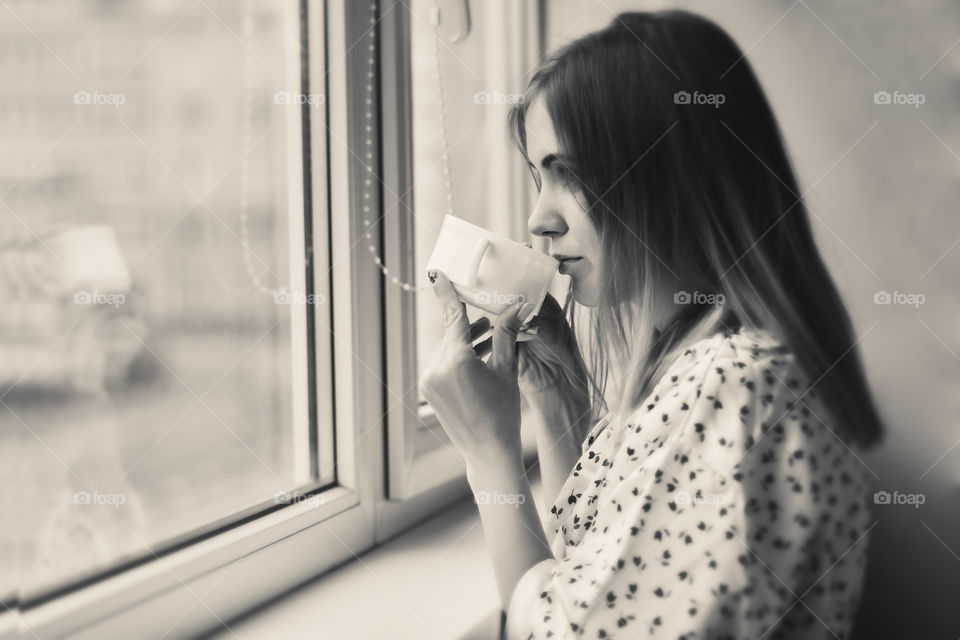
[477,403]
[550,366]
[553,380]
[552,359]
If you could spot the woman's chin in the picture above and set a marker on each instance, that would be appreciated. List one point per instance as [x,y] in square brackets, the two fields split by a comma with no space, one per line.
[585,296]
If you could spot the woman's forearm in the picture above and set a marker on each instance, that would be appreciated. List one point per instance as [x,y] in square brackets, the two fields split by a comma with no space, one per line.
[511,525]
[561,424]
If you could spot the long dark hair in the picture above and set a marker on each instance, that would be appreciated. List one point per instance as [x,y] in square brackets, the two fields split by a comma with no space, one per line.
[684,172]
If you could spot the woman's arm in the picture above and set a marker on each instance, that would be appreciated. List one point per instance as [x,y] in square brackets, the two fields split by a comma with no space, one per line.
[561,424]
[511,525]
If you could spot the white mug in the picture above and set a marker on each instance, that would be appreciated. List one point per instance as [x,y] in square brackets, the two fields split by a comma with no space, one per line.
[491,272]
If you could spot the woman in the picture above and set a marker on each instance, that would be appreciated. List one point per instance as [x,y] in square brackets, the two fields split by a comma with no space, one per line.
[719,496]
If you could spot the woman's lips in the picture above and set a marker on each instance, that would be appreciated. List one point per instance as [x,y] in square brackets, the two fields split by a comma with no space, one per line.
[566,263]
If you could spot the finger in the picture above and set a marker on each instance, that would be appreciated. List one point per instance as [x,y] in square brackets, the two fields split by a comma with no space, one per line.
[479,328]
[483,348]
[505,330]
[456,328]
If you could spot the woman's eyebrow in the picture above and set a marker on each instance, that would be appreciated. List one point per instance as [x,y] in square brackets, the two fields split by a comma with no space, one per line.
[553,158]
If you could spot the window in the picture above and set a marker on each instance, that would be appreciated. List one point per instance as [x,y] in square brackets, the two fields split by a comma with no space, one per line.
[465,72]
[155,261]
[174,311]
[203,366]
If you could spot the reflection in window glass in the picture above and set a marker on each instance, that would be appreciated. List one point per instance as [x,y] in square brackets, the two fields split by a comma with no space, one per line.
[151,234]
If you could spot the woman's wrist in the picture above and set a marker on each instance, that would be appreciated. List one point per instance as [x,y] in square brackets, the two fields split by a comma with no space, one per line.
[507,463]
[562,411]
[502,471]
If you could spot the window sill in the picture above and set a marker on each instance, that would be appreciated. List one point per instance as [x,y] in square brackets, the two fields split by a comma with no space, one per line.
[410,586]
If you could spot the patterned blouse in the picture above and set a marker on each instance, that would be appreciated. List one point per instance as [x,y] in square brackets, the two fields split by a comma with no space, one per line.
[723,508]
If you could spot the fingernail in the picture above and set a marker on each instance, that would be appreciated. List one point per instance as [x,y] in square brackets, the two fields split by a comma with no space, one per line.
[432,275]
[525,310]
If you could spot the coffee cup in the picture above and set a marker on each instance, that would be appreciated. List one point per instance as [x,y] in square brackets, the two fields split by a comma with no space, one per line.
[491,272]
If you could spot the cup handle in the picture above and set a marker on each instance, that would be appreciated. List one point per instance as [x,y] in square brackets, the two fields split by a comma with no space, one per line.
[473,267]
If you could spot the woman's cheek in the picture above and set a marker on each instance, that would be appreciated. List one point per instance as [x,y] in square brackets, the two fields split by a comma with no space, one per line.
[586,286]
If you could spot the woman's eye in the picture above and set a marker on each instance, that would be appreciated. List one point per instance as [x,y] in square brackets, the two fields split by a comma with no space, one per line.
[568,177]
[564,175]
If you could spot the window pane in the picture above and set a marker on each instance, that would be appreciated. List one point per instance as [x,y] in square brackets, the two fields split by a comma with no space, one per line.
[479,80]
[152,327]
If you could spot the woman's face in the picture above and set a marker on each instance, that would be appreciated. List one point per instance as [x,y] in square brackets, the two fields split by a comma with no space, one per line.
[560,214]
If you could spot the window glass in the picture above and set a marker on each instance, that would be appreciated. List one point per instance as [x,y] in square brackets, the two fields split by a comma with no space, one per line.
[152,328]
[463,89]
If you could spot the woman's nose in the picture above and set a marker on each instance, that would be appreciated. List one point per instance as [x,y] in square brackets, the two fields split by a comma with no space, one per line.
[546,224]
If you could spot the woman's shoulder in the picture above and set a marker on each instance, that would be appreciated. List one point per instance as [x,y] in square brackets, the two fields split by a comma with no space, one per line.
[724,392]
[706,363]
[740,356]
[745,344]
[746,402]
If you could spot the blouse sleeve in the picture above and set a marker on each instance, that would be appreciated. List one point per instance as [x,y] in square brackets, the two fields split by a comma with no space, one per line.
[733,511]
